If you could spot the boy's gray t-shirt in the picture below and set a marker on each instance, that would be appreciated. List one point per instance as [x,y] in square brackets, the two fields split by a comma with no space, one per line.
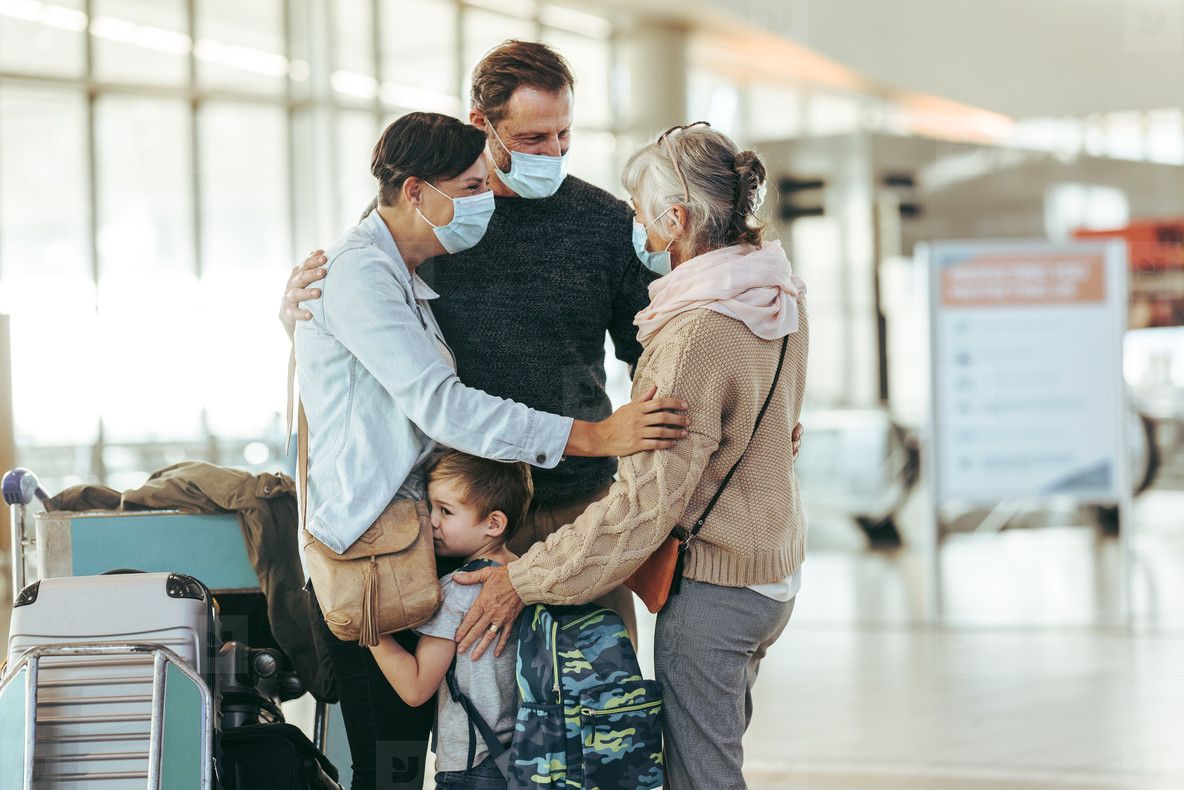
[489,682]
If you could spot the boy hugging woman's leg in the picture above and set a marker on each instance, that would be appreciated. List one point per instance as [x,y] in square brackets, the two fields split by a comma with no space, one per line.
[477,505]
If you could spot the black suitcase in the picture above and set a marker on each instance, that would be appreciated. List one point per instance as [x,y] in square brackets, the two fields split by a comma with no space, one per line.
[273,757]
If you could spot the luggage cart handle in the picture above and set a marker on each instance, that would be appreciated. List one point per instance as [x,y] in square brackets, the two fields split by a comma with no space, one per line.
[20,486]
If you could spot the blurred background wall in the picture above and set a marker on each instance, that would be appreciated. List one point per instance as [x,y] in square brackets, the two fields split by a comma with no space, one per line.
[163,164]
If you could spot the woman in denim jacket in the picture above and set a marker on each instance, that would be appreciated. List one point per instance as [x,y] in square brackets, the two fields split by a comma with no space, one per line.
[379,387]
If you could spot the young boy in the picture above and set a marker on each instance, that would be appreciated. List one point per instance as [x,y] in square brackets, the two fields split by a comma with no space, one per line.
[477,505]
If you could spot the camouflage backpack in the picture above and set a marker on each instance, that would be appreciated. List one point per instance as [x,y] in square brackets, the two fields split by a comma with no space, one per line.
[586,718]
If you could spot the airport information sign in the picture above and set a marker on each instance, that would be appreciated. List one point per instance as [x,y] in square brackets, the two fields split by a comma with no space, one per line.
[1026,369]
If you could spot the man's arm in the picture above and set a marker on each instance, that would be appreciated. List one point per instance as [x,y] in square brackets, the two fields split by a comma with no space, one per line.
[414,677]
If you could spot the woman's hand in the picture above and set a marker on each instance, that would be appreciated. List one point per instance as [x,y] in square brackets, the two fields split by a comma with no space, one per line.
[297,290]
[796,438]
[645,423]
[498,604]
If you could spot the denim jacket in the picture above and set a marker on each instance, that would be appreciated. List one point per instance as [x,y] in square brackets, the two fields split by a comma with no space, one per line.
[378,394]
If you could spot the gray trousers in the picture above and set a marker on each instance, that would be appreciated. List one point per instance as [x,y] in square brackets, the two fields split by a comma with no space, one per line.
[708,646]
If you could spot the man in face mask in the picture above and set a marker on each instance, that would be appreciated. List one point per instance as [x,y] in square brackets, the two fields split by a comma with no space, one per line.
[554,273]
[537,123]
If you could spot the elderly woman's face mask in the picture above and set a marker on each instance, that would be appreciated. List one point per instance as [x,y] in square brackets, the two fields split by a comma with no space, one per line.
[657,262]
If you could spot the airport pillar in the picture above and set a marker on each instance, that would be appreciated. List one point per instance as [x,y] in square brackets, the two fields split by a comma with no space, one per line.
[656,51]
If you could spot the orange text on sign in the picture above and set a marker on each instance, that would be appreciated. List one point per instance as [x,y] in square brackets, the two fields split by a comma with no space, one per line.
[1000,281]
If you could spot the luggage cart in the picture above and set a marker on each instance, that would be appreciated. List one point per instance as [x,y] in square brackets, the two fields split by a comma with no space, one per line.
[89,543]
[206,546]
[151,746]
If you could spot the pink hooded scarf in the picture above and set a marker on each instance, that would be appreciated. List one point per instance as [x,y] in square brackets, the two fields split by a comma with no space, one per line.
[755,285]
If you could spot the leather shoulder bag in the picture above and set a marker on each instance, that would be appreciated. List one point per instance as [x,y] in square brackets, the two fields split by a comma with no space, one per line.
[385,581]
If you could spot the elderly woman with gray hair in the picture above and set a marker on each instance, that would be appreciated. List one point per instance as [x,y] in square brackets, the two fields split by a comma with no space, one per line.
[726,328]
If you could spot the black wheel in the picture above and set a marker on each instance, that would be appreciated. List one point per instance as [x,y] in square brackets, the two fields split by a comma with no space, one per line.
[1153,459]
[1108,520]
[881,534]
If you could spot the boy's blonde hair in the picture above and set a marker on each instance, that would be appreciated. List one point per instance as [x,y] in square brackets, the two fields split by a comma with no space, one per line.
[486,485]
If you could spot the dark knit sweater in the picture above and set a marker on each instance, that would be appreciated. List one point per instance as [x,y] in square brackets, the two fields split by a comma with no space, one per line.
[525,312]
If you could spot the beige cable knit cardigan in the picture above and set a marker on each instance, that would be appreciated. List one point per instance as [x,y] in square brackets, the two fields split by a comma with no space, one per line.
[756,534]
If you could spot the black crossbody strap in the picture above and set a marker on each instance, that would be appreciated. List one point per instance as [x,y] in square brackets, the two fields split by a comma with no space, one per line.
[760,415]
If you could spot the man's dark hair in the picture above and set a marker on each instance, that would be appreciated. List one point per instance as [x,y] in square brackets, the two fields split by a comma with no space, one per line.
[426,145]
[511,65]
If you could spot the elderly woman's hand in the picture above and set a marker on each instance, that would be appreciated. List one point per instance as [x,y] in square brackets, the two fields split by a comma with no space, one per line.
[796,438]
[296,291]
[497,605]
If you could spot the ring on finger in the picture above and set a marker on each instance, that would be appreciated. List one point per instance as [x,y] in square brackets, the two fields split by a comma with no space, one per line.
[493,628]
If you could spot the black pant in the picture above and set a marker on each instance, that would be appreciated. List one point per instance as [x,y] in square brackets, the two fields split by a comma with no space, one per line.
[388,739]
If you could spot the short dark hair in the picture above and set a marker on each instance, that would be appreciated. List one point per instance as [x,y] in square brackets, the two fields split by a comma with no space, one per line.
[426,145]
[511,65]
[486,485]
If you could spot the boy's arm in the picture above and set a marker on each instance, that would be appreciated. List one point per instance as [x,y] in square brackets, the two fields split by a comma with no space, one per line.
[415,677]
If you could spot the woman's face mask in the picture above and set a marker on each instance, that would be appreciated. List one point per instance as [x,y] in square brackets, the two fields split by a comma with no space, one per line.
[470,218]
[657,262]
[532,175]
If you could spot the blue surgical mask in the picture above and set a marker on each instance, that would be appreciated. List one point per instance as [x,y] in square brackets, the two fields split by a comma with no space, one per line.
[656,262]
[532,175]
[470,217]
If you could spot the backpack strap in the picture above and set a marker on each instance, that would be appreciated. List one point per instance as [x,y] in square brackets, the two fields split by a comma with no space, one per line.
[498,753]
[685,542]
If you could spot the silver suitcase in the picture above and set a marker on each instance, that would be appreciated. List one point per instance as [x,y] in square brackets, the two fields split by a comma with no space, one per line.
[120,669]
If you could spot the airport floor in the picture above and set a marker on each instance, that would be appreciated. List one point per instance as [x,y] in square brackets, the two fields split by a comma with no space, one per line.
[882,709]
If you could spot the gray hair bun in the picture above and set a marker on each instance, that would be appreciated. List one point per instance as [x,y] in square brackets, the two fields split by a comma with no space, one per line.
[750,193]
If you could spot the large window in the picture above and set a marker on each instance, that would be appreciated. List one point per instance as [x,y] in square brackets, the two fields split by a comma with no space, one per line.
[46,269]
[422,72]
[166,162]
[240,46]
[43,39]
[140,41]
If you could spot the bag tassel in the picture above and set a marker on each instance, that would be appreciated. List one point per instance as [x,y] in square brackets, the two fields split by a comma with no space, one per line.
[369,635]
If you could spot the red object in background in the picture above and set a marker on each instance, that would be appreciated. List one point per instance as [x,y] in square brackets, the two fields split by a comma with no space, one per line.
[1153,245]
[1155,250]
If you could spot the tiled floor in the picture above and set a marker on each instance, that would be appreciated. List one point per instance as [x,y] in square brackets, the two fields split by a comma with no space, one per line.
[874,709]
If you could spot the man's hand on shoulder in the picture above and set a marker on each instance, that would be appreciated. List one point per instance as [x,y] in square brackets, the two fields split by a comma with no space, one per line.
[296,291]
